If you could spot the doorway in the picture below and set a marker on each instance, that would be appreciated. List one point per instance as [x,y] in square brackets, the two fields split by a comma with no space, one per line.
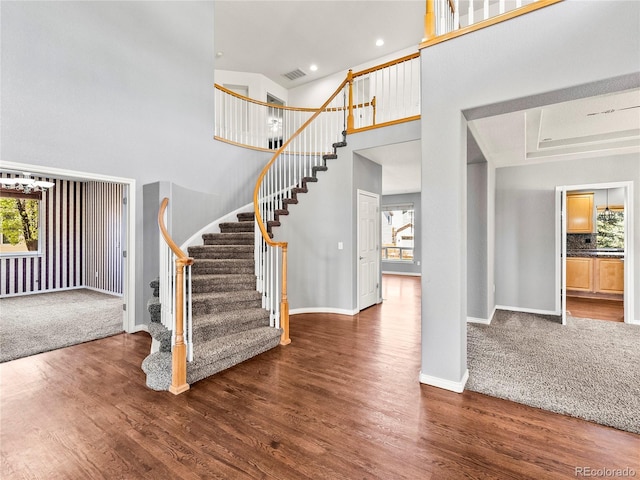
[368,238]
[122,233]
[595,251]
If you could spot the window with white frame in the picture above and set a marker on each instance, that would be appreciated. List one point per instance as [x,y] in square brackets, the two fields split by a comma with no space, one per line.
[19,223]
[397,232]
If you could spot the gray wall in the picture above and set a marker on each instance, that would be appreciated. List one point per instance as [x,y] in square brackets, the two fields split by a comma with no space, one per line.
[322,277]
[552,49]
[526,230]
[407,267]
[122,89]
[477,266]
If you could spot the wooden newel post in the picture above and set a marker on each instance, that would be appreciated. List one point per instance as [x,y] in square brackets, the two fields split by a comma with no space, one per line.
[430,21]
[284,302]
[350,120]
[373,104]
[179,354]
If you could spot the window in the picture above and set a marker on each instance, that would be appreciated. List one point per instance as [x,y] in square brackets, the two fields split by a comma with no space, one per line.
[19,224]
[397,233]
[611,232]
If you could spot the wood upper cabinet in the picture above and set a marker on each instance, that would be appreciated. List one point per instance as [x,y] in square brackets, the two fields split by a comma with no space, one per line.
[580,274]
[609,275]
[580,213]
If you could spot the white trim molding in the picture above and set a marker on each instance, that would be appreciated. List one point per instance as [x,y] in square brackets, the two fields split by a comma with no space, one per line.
[528,310]
[141,327]
[457,387]
[406,274]
[484,321]
[337,311]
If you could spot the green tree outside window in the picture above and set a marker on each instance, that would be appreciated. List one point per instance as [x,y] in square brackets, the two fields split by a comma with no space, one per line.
[19,225]
[611,232]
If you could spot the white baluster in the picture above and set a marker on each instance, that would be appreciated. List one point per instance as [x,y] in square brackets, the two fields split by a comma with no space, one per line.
[501,6]
[456,15]
[486,9]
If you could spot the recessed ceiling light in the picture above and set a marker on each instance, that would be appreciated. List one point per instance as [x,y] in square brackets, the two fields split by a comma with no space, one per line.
[219,54]
[379,42]
[313,67]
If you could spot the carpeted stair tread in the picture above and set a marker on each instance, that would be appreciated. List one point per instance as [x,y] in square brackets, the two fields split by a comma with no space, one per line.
[211,357]
[221,251]
[160,333]
[206,327]
[222,282]
[213,302]
[223,265]
[330,156]
[232,227]
[239,238]
[246,216]
[153,306]
[155,286]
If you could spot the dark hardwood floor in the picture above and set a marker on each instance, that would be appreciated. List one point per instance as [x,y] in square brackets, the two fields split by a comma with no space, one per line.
[598,309]
[342,401]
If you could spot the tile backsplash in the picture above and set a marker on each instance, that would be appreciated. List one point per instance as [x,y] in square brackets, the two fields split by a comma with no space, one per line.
[581,241]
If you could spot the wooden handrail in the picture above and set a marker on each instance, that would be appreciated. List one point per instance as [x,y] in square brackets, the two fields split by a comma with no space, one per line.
[388,64]
[258,102]
[284,302]
[432,39]
[179,352]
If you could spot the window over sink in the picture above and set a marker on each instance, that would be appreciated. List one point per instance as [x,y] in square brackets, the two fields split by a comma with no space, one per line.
[611,232]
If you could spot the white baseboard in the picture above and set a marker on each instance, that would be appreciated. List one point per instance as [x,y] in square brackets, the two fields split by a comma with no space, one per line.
[140,328]
[457,387]
[527,310]
[407,274]
[338,311]
[484,321]
[99,290]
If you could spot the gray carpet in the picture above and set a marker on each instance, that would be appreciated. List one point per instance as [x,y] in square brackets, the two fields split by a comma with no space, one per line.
[586,369]
[42,322]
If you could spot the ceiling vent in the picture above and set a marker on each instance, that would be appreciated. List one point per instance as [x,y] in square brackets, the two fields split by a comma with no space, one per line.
[294,74]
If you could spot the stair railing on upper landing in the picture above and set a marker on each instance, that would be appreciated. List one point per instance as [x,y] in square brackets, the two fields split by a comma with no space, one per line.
[445,20]
[175,295]
[380,96]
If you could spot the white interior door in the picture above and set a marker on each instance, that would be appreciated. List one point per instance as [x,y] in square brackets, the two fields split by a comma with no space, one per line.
[368,248]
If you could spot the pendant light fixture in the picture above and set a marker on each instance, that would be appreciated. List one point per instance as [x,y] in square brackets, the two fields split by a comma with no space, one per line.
[25,184]
[607,215]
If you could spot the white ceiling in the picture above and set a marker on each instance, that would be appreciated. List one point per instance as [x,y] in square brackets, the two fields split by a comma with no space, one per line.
[277,37]
[401,166]
[606,124]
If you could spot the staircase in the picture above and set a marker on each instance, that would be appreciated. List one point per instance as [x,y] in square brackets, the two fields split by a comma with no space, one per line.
[229,323]
[231,318]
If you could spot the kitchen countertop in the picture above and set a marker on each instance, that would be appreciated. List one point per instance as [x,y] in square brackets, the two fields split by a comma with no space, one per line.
[604,253]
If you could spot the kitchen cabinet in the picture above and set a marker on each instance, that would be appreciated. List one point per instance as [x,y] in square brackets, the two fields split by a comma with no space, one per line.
[580,274]
[580,213]
[595,275]
[609,275]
